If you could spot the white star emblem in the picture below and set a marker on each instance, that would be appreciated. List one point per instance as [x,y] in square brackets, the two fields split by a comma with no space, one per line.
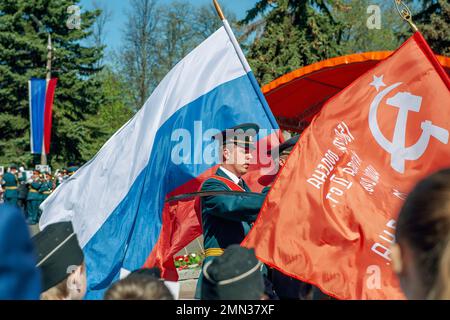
[378,82]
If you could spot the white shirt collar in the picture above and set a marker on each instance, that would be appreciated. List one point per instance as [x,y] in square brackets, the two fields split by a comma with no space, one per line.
[230,174]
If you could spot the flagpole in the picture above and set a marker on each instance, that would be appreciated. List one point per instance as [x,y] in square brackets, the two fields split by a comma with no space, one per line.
[245,64]
[405,13]
[48,78]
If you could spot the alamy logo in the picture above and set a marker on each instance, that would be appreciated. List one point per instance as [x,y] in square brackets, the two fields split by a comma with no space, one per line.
[74,20]
[405,102]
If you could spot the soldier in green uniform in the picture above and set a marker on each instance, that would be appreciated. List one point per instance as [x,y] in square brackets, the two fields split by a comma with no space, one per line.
[72,169]
[45,190]
[227,219]
[47,186]
[10,184]
[34,198]
[22,190]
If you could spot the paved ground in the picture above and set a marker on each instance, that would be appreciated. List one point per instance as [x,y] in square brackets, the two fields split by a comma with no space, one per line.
[188,282]
[187,289]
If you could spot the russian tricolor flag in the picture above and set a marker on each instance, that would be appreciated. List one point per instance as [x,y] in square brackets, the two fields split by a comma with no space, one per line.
[41,93]
[116,200]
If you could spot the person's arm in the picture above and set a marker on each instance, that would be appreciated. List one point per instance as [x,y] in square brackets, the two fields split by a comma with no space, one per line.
[266,190]
[36,185]
[231,207]
[22,176]
[45,186]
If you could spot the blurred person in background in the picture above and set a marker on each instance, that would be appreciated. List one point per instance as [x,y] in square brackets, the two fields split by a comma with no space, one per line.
[1,189]
[139,286]
[235,275]
[72,169]
[64,175]
[10,184]
[61,262]
[19,278]
[152,272]
[421,255]
[47,186]
[22,190]
[34,198]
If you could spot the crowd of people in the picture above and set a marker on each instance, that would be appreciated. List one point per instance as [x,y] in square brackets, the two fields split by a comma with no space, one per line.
[53,264]
[29,188]
[53,268]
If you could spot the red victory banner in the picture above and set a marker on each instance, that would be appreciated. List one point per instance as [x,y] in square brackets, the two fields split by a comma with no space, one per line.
[329,218]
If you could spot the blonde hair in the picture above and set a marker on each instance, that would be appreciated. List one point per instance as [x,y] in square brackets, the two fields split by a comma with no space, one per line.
[58,292]
[61,290]
[138,288]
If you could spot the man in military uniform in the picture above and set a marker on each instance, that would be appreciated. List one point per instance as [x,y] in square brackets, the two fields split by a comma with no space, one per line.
[60,177]
[72,169]
[45,190]
[47,186]
[34,198]
[22,190]
[227,218]
[10,185]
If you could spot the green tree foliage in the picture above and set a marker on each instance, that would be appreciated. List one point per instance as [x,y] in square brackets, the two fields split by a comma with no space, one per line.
[290,34]
[137,61]
[114,112]
[23,54]
[157,36]
[359,37]
[92,102]
[433,20]
[184,26]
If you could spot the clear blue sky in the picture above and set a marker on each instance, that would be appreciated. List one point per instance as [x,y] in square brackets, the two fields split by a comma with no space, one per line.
[120,7]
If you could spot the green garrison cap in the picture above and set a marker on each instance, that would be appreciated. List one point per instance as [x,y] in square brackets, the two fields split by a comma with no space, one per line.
[242,135]
[286,146]
[235,275]
[58,250]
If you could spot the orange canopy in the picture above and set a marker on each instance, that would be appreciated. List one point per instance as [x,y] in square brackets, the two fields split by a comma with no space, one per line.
[297,96]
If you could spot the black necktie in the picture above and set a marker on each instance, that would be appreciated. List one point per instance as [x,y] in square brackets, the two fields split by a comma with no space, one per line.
[241,183]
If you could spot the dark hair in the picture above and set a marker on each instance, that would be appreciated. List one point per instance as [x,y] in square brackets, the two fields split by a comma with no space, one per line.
[153,272]
[139,288]
[424,224]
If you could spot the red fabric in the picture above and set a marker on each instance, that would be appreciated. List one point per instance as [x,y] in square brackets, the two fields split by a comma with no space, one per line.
[51,85]
[230,184]
[181,222]
[296,97]
[329,218]
[180,226]
[261,173]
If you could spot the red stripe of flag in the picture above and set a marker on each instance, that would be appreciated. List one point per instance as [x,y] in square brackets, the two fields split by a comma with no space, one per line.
[48,113]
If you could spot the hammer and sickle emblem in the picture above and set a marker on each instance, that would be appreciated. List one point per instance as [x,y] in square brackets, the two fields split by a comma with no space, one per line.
[405,102]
